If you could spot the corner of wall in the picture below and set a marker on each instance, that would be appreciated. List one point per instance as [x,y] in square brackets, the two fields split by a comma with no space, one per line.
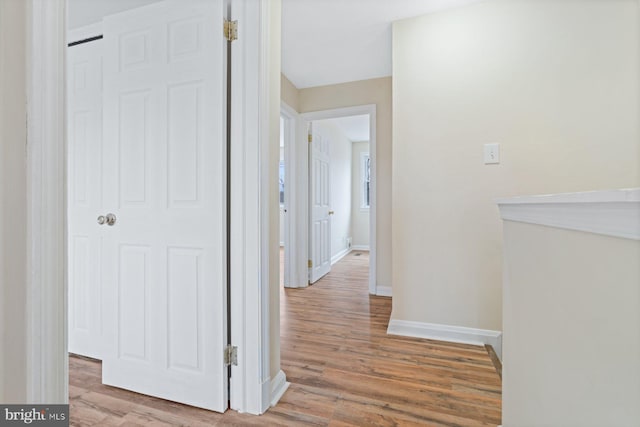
[274,101]
[448,333]
[290,94]
[13,208]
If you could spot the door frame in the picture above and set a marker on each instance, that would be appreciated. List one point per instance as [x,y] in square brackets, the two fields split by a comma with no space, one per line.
[302,176]
[46,299]
[294,227]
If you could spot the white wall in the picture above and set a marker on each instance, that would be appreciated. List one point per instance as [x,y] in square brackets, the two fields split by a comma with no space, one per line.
[571,317]
[13,202]
[554,82]
[359,216]
[340,184]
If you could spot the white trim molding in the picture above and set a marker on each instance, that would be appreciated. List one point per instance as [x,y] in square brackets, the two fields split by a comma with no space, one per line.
[457,334]
[360,247]
[279,385]
[295,258]
[613,213]
[384,291]
[337,257]
[46,305]
[250,322]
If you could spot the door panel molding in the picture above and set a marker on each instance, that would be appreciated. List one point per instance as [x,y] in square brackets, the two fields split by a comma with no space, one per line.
[85,188]
[320,206]
[165,258]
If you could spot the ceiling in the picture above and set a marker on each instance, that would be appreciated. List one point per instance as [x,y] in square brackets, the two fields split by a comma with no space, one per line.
[335,41]
[323,41]
[355,128]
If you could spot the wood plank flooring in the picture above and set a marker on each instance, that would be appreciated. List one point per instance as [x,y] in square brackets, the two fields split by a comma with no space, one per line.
[343,368]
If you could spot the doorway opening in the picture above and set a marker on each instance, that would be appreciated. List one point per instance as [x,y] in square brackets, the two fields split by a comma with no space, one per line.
[47,193]
[281,199]
[339,191]
[352,133]
[361,189]
[147,211]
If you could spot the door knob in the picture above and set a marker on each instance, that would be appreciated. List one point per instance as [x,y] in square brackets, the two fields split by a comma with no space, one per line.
[111,219]
[331,212]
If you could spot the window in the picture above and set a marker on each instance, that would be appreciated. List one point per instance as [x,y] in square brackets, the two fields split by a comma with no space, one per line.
[366,180]
[281,183]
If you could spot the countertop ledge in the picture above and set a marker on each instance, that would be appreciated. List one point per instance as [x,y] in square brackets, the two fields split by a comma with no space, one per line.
[613,213]
[603,196]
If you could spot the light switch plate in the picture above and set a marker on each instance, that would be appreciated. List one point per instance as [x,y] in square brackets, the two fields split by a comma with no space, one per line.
[491,154]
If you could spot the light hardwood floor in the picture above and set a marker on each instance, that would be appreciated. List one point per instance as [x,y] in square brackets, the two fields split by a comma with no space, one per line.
[343,368]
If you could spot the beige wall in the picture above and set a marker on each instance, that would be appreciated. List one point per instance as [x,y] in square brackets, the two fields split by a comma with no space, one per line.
[359,217]
[289,93]
[374,91]
[274,8]
[571,316]
[13,201]
[555,83]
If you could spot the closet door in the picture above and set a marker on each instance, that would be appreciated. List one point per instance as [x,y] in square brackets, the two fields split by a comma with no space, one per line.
[165,173]
[84,198]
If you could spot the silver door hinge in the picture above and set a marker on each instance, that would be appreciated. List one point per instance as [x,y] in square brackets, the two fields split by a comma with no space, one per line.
[230,30]
[231,355]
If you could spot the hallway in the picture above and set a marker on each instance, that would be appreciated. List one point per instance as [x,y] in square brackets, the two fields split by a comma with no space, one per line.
[343,369]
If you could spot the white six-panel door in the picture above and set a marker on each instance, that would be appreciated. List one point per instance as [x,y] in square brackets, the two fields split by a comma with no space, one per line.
[319,196]
[164,170]
[84,201]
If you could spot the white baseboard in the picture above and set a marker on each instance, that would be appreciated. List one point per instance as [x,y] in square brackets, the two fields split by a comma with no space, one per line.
[278,386]
[337,257]
[449,333]
[360,247]
[383,291]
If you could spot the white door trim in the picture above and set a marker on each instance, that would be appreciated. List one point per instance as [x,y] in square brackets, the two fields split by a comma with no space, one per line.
[250,327]
[46,305]
[297,149]
[303,168]
[294,278]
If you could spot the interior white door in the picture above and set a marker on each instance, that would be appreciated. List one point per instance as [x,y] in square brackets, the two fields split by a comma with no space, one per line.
[84,202]
[320,192]
[165,169]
